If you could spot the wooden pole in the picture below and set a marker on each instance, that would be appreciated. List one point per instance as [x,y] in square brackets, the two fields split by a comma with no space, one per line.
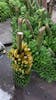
[44,4]
[20,23]
[40,37]
[19,41]
[40,2]
[50,7]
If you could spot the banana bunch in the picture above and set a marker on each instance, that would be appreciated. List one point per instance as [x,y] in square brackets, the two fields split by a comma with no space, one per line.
[21,62]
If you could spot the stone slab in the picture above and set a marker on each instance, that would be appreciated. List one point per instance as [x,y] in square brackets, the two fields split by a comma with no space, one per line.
[5,32]
[2,47]
[4,95]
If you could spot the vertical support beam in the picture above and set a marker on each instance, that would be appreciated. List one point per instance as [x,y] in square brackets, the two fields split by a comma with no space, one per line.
[40,2]
[48,2]
[50,7]
[44,4]
[40,36]
[19,41]
[20,23]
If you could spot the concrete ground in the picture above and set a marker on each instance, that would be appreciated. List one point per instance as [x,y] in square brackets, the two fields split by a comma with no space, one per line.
[37,89]
[5,32]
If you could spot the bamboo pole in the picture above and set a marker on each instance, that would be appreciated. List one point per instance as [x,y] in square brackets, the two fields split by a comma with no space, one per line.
[40,2]
[19,41]
[50,7]
[48,30]
[29,26]
[20,23]
[41,30]
[44,4]
[40,36]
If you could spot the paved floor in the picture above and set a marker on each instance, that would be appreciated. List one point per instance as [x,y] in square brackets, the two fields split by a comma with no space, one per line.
[4,95]
[6,81]
[36,90]
[5,32]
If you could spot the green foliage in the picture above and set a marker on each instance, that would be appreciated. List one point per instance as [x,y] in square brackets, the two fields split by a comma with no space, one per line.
[23,10]
[53,29]
[4,11]
[15,7]
[50,38]
[45,66]
[14,24]
[3,0]
[53,45]
[44,58]
[44,63]
[14,3]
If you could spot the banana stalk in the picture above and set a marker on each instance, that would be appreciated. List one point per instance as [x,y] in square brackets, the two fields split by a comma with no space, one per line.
[19,41]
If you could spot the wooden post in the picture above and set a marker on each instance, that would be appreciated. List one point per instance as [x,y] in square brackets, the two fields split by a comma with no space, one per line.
[44,3]
[40,36]
[40,2]
[50,8]
[19,41]
[29,26]
[42,29]
[48,30]
[20,23]
[48,2]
